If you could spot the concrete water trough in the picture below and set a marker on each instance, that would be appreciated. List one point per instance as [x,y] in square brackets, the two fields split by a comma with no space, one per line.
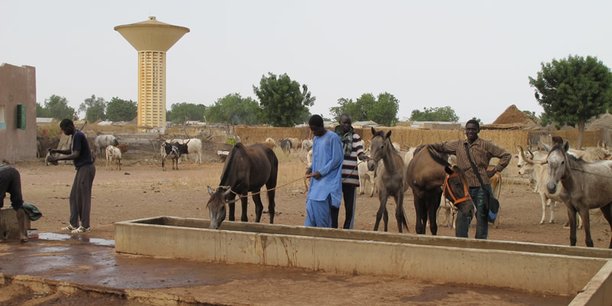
[585,273]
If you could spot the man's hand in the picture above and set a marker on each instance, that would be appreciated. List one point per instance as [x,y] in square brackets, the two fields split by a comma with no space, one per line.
[316,175]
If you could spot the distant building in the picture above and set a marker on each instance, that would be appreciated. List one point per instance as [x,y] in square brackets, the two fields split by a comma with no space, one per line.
[17,113]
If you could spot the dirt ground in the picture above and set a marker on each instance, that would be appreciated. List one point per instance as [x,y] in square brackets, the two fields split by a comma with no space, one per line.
[141,189]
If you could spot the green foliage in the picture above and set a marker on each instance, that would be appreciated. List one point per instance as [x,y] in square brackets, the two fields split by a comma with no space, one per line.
[382,109]
[349,107]
[94,108]
[445,113]
[233,109]
[283,101]
[121,110]
[57,107]
[573,90]
[41,111]
[181,112]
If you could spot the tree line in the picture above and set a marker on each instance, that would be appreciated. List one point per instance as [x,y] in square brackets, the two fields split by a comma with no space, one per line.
[570,90]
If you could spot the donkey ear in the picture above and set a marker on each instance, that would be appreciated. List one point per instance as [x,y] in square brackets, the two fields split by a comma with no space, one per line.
[373,131]
[448,170]
[566,146]
[210,190]
[388,134]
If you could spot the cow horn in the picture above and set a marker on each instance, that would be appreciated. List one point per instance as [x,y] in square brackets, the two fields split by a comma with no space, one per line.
[525,158]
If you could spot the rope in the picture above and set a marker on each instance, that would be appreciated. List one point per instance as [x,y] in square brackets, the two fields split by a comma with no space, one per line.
[256,193]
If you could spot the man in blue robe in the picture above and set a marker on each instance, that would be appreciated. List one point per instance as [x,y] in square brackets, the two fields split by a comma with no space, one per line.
[325,175]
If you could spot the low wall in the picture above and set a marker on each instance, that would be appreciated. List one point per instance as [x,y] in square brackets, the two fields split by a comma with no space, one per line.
[529,267]
[407,137]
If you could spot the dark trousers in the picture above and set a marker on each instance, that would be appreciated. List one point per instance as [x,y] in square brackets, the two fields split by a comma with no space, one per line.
[80,196]
[10,181]
[349,195]
[465,214]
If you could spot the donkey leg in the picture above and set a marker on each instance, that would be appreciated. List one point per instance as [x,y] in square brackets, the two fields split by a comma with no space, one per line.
[586,223]
[258,207]
[607,213]
[232,209]
[419,226]
[399,212]
[571,216]
[244,201]
[271,205]
[381,211]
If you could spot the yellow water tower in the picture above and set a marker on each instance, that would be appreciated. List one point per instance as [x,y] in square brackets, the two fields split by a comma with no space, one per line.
[152,39]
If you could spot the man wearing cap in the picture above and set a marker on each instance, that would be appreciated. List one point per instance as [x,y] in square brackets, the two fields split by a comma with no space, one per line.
[325,175]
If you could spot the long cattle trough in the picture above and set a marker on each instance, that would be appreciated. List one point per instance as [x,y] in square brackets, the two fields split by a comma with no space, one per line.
[584,273]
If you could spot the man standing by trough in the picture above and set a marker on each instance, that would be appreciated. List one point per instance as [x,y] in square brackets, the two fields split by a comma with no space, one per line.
[352,146]
[80,195]
[325,175]
[480,152]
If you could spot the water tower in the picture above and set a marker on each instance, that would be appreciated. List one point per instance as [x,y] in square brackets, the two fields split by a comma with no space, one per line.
[152,39]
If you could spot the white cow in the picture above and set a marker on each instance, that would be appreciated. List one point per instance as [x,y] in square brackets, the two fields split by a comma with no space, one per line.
[194,148]
[102,141]
[532,162]
[113,156]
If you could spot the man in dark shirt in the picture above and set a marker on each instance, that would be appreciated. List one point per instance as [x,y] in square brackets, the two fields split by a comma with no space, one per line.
[80,195]
[10,182]
[481,151]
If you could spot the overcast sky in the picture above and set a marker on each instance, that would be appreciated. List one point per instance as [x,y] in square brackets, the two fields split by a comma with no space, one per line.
[475,56]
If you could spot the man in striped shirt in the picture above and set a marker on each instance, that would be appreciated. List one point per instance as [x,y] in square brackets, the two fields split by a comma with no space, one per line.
[352,145]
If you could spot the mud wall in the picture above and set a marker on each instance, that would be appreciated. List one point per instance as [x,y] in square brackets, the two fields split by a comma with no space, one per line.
[407,137]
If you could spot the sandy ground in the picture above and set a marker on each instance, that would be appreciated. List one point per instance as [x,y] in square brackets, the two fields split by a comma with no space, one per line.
[142,189]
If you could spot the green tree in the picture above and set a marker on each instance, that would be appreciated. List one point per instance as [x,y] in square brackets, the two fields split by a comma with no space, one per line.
[283,101]
[58,108]
[181,112]
[573,90]
[94,108]
[445,113]
[233,109]
[121,110]
[382,109]
[349,107]
[41,111]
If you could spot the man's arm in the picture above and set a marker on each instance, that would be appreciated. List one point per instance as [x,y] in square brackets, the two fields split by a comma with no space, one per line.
[448,147]
[504,158]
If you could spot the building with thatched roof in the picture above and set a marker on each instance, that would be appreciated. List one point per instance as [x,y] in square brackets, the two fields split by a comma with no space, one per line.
[512,118]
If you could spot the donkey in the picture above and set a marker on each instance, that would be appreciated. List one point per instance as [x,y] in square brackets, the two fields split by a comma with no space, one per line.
[588,186]
[246,170]
[427,172]
[389,178]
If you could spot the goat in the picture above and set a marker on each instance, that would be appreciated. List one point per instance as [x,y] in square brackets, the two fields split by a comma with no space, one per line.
[113,156]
